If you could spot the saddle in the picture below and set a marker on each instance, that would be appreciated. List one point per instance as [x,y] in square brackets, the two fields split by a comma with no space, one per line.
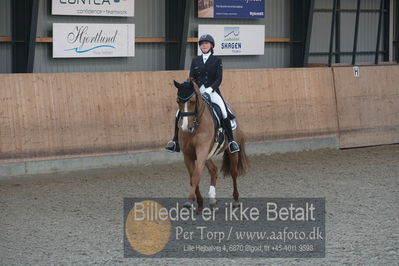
[217,117]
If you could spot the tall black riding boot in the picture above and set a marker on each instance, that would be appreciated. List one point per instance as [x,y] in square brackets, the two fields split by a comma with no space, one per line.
[173,145]
[233,146]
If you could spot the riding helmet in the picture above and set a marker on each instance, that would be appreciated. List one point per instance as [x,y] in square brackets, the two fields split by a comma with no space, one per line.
[206,38]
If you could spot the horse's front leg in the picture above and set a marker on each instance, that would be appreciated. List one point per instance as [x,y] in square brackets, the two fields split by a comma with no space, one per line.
[200,200]
[196,177]
[190,165]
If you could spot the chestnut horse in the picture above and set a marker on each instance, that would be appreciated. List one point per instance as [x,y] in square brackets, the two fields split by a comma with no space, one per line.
[197,138]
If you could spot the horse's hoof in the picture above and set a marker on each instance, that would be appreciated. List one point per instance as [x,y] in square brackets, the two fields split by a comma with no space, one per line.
[212,202]
[236,204]
[199,210]
[188,204]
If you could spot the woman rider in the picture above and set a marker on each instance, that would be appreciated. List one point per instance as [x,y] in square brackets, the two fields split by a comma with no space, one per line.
[207,71]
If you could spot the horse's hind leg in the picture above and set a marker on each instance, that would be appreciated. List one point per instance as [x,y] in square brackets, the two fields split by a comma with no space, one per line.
[213,170]
[234,175]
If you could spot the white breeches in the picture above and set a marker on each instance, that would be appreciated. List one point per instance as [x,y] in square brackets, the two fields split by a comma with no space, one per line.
[215,98]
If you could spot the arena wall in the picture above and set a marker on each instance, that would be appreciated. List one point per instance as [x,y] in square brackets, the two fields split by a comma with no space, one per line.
[47,116]
[368,106]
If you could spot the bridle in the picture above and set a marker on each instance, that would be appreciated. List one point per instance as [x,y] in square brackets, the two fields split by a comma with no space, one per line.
[197,115]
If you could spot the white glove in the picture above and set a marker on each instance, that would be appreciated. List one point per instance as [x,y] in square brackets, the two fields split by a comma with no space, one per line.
[209,90]
[202,89]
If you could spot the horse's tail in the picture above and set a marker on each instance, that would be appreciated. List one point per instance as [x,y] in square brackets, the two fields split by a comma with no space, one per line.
[243,162]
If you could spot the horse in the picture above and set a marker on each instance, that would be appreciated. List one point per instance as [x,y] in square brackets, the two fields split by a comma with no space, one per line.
[197,139]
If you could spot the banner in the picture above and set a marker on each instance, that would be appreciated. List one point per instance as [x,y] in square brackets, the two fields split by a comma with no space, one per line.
[231,8]
[253,228]
[112,8]
[236,39]
[93,40]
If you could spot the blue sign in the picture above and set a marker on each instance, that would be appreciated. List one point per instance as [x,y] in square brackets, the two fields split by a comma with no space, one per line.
[231,8]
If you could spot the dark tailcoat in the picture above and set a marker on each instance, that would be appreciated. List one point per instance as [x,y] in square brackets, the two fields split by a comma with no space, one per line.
[208,74]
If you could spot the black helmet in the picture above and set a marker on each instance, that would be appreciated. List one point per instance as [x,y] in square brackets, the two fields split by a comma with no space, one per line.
[207,38]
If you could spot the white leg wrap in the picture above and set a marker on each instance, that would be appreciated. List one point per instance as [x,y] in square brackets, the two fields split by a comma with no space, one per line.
[212,192]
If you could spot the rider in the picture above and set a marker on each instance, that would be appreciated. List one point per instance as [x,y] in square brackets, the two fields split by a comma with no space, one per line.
[207,71]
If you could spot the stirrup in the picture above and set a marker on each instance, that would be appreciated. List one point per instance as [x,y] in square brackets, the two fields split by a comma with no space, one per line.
[172,146]
[233,147]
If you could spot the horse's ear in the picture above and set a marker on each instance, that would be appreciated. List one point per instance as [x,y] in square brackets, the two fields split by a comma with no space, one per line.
[176,84]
